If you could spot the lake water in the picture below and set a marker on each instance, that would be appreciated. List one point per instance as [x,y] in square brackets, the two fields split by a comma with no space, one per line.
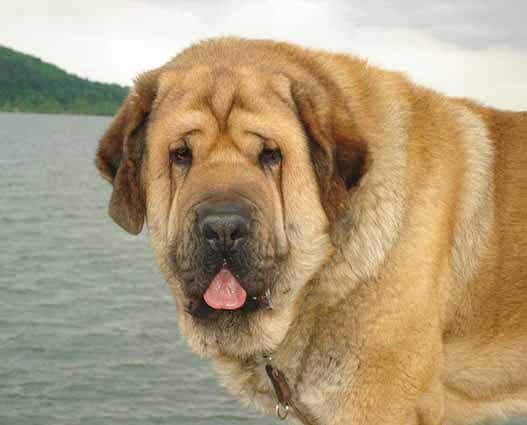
[88,331]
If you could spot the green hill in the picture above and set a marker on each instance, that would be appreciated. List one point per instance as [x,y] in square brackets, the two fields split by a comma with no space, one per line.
[28,84]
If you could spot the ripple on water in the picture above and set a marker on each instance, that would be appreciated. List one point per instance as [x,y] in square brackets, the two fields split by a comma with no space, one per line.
[88,331]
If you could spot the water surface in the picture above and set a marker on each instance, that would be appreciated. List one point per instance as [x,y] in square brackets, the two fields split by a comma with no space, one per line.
[88,331]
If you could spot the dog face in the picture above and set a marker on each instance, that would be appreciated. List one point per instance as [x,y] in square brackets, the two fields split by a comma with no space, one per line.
[236,170]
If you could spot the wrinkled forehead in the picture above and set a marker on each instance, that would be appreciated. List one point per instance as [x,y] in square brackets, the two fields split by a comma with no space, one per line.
[216,92]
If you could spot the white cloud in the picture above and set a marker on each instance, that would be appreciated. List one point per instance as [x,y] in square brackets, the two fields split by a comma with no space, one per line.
[494,76]
[113,40]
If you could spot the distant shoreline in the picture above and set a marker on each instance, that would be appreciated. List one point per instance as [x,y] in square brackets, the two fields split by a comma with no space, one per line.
[73,114]
[28,84]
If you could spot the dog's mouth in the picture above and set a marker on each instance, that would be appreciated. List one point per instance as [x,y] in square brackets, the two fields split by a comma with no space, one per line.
[225,293]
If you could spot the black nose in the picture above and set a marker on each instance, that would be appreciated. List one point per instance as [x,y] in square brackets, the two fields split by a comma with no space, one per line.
[224,225]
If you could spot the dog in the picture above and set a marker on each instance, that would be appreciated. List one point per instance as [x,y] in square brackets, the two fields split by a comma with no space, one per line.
[345,246]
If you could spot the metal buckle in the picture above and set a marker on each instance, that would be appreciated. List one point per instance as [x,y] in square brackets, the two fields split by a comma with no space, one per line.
[282,410]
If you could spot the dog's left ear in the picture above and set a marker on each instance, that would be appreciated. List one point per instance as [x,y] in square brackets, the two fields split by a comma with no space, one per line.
[120,153]
[338,153]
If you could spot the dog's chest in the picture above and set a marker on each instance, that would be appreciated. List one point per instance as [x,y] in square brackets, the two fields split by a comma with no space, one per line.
[310,392]
[248,381]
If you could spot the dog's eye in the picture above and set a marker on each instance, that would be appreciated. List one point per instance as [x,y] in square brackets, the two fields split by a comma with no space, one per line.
[181,156]
[269,157]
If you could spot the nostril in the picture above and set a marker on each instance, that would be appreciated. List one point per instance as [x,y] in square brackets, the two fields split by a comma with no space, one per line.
[209,231]
[237,232]
[238,228]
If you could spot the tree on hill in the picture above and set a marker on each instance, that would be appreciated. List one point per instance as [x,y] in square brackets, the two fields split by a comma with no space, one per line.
[27,84]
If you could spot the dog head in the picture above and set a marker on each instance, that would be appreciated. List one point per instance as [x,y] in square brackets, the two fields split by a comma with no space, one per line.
[242,158]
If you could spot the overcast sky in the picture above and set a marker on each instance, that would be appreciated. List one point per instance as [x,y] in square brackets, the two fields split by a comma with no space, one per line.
[475,48]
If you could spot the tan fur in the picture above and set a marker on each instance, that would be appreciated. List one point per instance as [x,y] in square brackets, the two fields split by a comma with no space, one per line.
[403,296]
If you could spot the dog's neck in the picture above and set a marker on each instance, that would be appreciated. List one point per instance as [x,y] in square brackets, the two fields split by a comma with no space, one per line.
[288,358]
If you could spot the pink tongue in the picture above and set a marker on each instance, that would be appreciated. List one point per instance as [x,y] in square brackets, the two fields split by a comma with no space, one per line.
[225,292]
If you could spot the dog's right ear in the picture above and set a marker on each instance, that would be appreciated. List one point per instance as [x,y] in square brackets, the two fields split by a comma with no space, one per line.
[120,153]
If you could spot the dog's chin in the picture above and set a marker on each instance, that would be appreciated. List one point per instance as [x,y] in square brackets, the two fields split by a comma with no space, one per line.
[227,319]
[236,333]
[253,329]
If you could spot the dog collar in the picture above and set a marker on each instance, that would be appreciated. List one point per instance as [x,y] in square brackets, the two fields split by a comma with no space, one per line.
[282,392]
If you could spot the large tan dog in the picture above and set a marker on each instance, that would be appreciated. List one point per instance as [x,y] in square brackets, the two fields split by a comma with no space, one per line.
[368,234]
